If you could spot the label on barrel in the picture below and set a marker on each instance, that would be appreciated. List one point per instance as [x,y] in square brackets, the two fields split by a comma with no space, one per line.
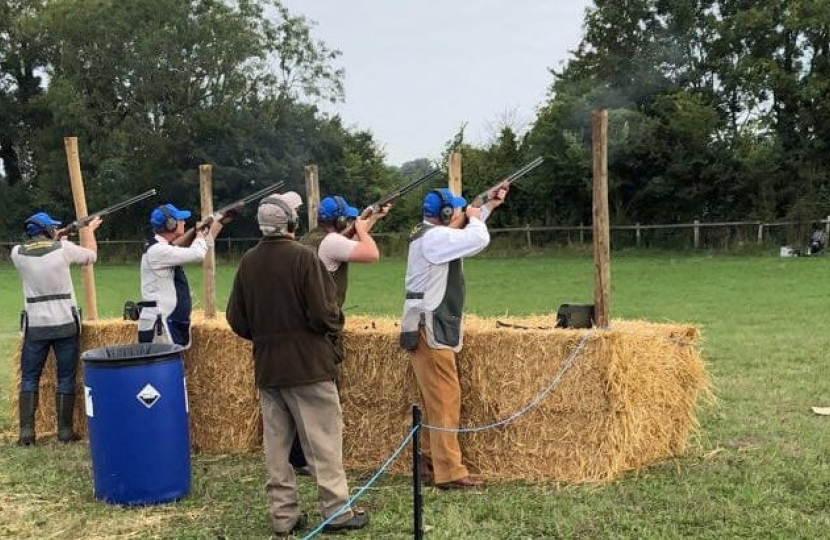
[148,396]
[186,401]
[88,401]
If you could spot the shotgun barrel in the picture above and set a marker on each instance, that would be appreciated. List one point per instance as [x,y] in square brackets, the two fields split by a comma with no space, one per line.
[391,197]
[483,197]
[80,223]
[187,238]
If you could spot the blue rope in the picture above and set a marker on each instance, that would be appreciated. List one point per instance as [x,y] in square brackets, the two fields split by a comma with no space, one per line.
[536,400]
[363,489]
[521,412]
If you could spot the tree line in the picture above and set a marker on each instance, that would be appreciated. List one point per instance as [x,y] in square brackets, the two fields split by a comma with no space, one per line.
[719,110]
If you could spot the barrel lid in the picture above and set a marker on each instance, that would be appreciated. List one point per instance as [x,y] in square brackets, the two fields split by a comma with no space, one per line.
[131,352]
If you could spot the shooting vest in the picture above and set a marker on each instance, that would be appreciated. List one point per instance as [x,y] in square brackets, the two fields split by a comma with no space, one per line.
[154,326]
[439,307]
[340,276]
[50,311]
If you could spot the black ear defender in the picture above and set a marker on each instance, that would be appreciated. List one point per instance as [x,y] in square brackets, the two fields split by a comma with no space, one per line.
[341,221]
[445,211]
[48,230]
[291,219]
[170,222]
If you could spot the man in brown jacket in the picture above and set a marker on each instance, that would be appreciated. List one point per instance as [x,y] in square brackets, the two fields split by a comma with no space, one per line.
[283,300]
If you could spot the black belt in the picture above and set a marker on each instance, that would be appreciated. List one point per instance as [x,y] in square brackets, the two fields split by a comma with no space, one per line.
[47,298]
[148,303]
[414,295]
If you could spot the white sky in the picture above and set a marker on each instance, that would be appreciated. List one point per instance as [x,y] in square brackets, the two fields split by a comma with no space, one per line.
[416,70]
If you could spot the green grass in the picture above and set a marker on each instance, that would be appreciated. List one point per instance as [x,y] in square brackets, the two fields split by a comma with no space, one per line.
[761,470]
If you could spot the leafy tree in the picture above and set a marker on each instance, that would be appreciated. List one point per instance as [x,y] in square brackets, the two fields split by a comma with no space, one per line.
[718,109]
[153,88]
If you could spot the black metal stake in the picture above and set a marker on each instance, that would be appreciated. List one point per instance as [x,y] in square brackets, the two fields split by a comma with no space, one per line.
[417,500]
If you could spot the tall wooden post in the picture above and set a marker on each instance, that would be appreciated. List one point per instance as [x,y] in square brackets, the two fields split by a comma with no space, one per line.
[312,194]
[79,197]
[602,236]
[696,234]
[209,264]
[454,173]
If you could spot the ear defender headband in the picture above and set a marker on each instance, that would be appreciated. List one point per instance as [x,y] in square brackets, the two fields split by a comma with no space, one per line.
[445,211]
[290,215]
[341,221]
[170,223]
[48,229]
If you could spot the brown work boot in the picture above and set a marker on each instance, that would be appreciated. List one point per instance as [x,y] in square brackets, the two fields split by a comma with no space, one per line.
[425,471]
[305,470]
[299,525]
[466,482]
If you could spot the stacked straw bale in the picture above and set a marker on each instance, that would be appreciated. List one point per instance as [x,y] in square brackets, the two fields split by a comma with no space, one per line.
[630,398]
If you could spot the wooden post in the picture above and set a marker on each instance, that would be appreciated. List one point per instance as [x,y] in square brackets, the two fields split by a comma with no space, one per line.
[454,173]
[312,194]
[79,197]
[638,234]
[581,233]
[602,235]
[827,227]
[760,233]
[209,264]
[697,233]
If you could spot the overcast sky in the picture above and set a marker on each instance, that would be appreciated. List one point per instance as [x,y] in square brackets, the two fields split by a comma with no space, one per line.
[417,70]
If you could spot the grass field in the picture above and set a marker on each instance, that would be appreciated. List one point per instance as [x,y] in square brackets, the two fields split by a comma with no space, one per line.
[760,470]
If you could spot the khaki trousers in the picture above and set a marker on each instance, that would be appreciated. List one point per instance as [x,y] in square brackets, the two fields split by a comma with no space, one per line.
[437,376]
[313,413]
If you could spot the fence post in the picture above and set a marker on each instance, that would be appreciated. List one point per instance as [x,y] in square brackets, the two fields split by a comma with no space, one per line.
[760,233]
[582,234]
[527,236]
[312,194]
[697,233]
[417,500]
[827,227]
[76,181]
[454,173]
[209,262]
[601,239]
[637,233]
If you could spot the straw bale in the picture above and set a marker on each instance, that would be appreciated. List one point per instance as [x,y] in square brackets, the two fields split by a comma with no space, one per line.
[224,407]
[629,399]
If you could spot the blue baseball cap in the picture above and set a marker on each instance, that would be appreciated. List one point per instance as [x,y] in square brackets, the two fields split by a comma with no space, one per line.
[157,217]
[433,201]
[330,209]
[39,222]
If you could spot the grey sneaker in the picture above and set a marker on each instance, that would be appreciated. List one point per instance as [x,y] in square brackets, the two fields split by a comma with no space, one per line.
[358,520]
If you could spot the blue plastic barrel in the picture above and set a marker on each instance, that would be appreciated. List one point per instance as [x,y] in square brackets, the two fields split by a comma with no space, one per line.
[137,418]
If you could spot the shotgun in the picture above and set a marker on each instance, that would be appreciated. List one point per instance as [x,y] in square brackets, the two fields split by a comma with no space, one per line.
[391,197]
[80,223]
[483,197]
[225,213]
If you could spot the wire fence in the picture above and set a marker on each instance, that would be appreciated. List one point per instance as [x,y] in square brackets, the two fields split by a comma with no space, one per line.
[538,398]
[732,236]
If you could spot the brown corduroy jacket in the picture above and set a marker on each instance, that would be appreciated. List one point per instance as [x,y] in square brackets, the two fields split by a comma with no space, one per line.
[283,300]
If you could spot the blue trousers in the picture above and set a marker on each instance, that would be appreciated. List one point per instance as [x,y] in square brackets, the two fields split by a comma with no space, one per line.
[33,358]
